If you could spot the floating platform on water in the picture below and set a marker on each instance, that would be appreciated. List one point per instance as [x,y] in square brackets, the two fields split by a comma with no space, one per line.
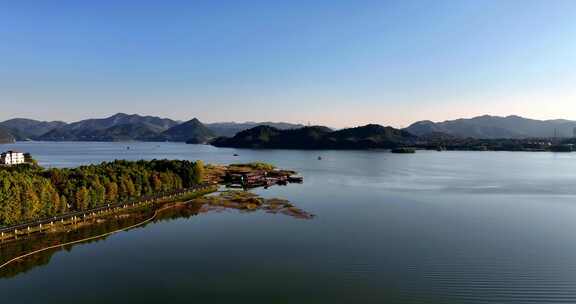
[262,178]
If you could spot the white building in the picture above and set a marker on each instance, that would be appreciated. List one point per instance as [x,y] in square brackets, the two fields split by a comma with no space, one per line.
[12,158]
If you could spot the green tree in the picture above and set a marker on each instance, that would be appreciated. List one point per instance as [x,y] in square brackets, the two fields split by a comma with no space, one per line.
[198,172]
[29,192]
[82,199]
[111,192]
[63,204]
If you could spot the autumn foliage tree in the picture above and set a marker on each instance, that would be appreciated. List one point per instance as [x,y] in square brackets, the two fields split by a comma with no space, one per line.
[30,192]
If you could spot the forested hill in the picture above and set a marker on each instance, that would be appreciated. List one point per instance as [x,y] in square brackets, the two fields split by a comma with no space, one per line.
[5,136]
[365,137]
[192,131]
[25,129]
[29,192]
[229,129]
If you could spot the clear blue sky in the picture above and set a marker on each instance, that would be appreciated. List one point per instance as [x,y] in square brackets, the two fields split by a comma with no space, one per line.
[338,63]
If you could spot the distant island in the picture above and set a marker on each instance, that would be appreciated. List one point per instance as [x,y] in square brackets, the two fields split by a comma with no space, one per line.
[511,133]
[366,137]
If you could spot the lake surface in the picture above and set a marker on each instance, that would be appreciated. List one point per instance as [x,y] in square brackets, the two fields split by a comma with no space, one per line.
[433,227]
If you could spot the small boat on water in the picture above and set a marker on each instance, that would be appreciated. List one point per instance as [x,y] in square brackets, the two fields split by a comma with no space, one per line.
[404,150]
[319,157]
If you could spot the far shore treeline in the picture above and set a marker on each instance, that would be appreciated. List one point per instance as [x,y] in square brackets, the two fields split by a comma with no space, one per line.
[29,192]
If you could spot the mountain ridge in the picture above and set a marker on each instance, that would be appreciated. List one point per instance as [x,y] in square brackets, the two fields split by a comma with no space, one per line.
[494,127]
[122,126]
[127,127]
[26,129]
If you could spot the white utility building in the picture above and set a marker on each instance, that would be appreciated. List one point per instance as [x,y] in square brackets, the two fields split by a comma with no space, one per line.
[12,158]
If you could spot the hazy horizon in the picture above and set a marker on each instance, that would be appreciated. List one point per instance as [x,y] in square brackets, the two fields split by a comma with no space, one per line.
[274,121]
[334,63]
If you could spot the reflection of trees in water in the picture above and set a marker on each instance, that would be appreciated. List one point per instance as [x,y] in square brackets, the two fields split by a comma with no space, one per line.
[38,241]
[245,202]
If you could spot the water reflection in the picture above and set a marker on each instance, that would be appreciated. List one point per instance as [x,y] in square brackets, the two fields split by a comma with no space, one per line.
[242,201]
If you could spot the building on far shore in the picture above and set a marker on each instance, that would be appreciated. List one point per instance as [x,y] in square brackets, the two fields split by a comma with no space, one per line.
[12,158]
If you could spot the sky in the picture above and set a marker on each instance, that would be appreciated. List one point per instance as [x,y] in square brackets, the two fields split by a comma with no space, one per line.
[329,62]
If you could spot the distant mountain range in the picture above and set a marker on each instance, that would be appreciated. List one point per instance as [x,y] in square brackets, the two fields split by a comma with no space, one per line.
[493,127]
[376,136]
[119,127]
[25,129]
[123,127]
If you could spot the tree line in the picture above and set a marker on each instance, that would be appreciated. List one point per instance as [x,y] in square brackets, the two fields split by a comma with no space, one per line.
[31,192]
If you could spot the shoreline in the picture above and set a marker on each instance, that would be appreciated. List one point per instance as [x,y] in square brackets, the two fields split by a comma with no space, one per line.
[249,175]
[484,146]
[48,225]
[28,252]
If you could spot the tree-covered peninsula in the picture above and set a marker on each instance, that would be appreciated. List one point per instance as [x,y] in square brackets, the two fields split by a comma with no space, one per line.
[31,192]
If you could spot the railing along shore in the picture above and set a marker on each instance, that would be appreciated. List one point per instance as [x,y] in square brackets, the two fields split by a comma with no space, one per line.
[26,227]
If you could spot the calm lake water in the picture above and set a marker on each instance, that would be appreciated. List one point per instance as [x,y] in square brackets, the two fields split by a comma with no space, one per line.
[433,227]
